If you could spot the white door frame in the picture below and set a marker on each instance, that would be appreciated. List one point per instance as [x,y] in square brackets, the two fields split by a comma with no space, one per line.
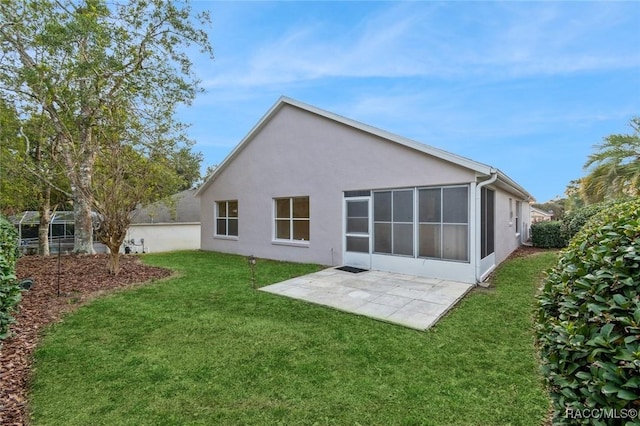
[357,259]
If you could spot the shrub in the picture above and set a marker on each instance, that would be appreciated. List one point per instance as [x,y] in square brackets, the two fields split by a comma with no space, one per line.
[9,289]
[588,317]
[547,235]
[573,221]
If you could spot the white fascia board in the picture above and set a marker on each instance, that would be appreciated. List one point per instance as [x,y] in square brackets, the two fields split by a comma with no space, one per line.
[518,189]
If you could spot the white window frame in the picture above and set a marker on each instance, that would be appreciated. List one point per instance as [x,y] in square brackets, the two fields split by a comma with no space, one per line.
[487,232]
[442,223]
[292,220]
[416,224]
[518,220]
[393,222]
[216,209]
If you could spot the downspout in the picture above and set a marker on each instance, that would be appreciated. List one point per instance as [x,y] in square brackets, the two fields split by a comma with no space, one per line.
[492,179]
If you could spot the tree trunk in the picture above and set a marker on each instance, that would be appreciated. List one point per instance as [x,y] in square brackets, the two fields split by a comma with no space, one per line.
[83,237]
[81,178]
[113,242]
[45,220]
[114,259]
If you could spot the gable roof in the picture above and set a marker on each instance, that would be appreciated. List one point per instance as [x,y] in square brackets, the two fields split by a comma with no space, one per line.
[480,168]
[182,207]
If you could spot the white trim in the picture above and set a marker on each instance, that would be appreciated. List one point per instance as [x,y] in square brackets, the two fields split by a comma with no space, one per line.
[225,237]
[360,260]
[226,218]
[478,227]
[487,265]
[293,243]
[442,222]
[291,219]
[416,264]
[430,268]
[165,223]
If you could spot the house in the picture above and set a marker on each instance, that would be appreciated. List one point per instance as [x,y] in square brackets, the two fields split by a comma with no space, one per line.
[307,185]
[61,232]
[538,215]
[167,225]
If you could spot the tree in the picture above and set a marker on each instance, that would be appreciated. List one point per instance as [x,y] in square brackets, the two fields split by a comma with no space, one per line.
[16,193]
[32,179]
[187,165]
[207,174]
[574,199]
[41,167]
[125,177]
[614,169]
[120,186]
[557,206]
[75,58]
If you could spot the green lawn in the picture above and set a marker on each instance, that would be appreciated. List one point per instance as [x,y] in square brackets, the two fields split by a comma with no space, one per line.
[205,348]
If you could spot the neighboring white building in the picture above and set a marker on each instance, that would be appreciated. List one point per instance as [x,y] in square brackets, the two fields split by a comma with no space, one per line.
[307,185]
[163,226]
[538,215]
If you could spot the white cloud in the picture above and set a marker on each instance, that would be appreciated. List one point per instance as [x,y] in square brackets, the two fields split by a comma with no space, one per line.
[450,40]
[526,86]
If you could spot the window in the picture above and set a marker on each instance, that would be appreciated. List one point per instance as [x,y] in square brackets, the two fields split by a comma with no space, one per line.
[393,222]
[227,218]
[443,223]
[487,222]
[517,217]
[292,219]
[361,193]
[510,210]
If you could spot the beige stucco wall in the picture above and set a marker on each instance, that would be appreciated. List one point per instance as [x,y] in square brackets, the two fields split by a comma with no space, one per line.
[162,237]
[507,240]
[299,153]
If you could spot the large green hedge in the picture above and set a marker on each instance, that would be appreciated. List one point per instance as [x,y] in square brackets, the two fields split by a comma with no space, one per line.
[547,235]
[588,321]
[558,234]
[573,221]
[9,289]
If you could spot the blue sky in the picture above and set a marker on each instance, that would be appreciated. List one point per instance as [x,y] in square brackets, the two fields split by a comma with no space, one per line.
[527,87]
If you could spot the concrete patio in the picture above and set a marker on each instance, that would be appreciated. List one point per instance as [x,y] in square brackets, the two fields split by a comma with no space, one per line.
[410,301]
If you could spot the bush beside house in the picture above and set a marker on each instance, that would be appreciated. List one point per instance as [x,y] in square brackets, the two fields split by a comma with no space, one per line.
[9,289]
[558,234]
[547,234]
[588,318]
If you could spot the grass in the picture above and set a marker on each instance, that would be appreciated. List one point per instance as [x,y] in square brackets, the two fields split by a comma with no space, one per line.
[205,348]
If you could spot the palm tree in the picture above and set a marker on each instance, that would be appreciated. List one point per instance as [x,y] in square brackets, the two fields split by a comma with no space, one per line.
[614,169]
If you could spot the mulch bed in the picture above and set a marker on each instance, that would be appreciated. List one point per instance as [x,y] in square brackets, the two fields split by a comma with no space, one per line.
[81,278]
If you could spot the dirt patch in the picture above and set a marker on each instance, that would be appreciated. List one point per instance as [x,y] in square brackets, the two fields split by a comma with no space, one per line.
[524,251]
[58,289]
